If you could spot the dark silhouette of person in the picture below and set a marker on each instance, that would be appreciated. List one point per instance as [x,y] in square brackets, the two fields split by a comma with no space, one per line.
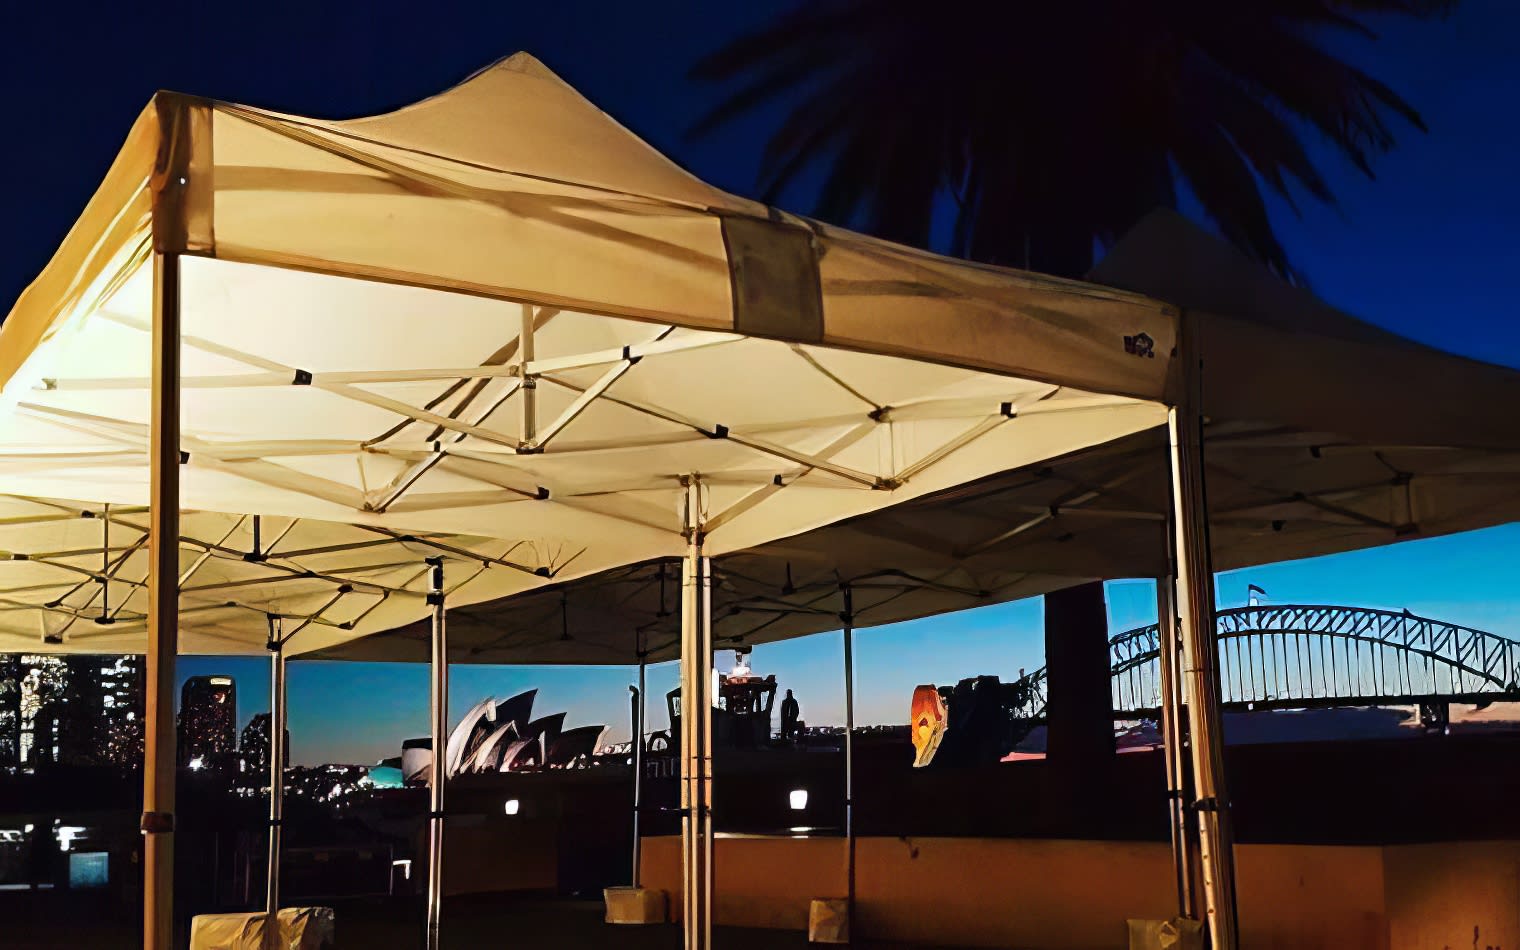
[789,713]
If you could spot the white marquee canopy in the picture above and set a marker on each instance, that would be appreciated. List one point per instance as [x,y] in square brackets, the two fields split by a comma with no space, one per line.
[499,319]
[1326,435]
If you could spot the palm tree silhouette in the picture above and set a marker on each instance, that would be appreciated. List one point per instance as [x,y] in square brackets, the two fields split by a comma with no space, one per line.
[1054,126]
[1048,129]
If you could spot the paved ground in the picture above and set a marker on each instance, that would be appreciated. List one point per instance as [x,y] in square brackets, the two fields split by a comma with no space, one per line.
[33,922]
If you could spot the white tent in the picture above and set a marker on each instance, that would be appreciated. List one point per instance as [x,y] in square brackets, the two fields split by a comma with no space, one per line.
[1318,443]
[498,313]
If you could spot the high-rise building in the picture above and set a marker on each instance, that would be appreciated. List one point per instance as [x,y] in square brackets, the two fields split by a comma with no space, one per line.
[73,710]
[207,720]
[42,683]
[120,682]
[10,710]
[253,750]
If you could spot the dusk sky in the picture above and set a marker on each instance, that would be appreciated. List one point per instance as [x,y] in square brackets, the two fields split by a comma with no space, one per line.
[1427,250]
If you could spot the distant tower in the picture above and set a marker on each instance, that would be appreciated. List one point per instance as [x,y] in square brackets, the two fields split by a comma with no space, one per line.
[122,681]
[41,685]
[207,718]
[10,710]
[253,749]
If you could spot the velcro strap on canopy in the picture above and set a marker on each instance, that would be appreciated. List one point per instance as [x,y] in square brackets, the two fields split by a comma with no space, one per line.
[773,269]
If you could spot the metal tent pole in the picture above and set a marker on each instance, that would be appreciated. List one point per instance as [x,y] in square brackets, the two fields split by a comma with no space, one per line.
[276,778]
[849,751]
[1171,739]
[525,353]
[163,610]
[1200,646]
[638,769]
[439,714]
[696,729]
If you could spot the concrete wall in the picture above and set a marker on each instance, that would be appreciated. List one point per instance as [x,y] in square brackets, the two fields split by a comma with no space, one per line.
[1310,897]
[489,856]
[1456,896]
[1078,894]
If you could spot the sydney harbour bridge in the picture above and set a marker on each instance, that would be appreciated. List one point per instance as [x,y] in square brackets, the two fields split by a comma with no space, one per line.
[1315,656]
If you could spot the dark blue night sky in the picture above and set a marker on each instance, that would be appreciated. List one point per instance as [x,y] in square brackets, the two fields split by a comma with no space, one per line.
[1428,250]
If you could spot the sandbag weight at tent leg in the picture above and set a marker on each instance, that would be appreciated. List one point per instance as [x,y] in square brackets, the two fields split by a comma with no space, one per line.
[159,753]
[1195,601]
[696,728]
[439,717]
[276,780]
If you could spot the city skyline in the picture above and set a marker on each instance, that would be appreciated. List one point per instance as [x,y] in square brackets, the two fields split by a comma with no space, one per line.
[1460,579]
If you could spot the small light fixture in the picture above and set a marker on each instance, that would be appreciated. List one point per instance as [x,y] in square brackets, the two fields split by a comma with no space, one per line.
[799,799]
[512,806]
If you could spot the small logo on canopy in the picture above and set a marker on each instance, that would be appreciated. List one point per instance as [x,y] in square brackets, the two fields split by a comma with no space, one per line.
[1140,345]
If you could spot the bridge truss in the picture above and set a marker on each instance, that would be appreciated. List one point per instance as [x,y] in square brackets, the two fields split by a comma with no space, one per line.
[1314,656]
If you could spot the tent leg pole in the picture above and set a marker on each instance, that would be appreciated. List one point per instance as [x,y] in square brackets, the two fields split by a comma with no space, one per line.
[276,779]
[638,771]
[1171,738]
[439,715]
[696,729]
[849,755]
[529,381]
[1200,646]
[159,751]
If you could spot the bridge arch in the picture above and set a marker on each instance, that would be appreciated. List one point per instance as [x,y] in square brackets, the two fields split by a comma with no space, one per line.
[1295,656]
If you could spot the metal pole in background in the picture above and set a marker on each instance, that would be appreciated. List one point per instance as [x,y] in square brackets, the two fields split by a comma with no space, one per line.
[439,711]
[1200,646]
[276,778]
[159,751]
[696,729]
[849,752]
[1171,739]
[529,381]
[638,769]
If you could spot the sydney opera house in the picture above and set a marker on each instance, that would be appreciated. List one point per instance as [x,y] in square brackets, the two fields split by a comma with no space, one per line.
[504,737]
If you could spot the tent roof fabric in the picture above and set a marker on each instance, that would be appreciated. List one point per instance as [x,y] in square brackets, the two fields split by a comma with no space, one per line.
[1098,513]
[498,315]
[1280,488]
[73,577]
[1272,352]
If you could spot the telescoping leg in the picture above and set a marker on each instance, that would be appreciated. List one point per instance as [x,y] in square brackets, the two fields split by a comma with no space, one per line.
[696,729]
[1171,739]
[638,771]
[1195,603]
[163,611]
[440,724]
[276,780]
[848,616]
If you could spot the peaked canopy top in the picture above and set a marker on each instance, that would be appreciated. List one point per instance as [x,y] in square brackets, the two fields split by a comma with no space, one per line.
[517,116]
